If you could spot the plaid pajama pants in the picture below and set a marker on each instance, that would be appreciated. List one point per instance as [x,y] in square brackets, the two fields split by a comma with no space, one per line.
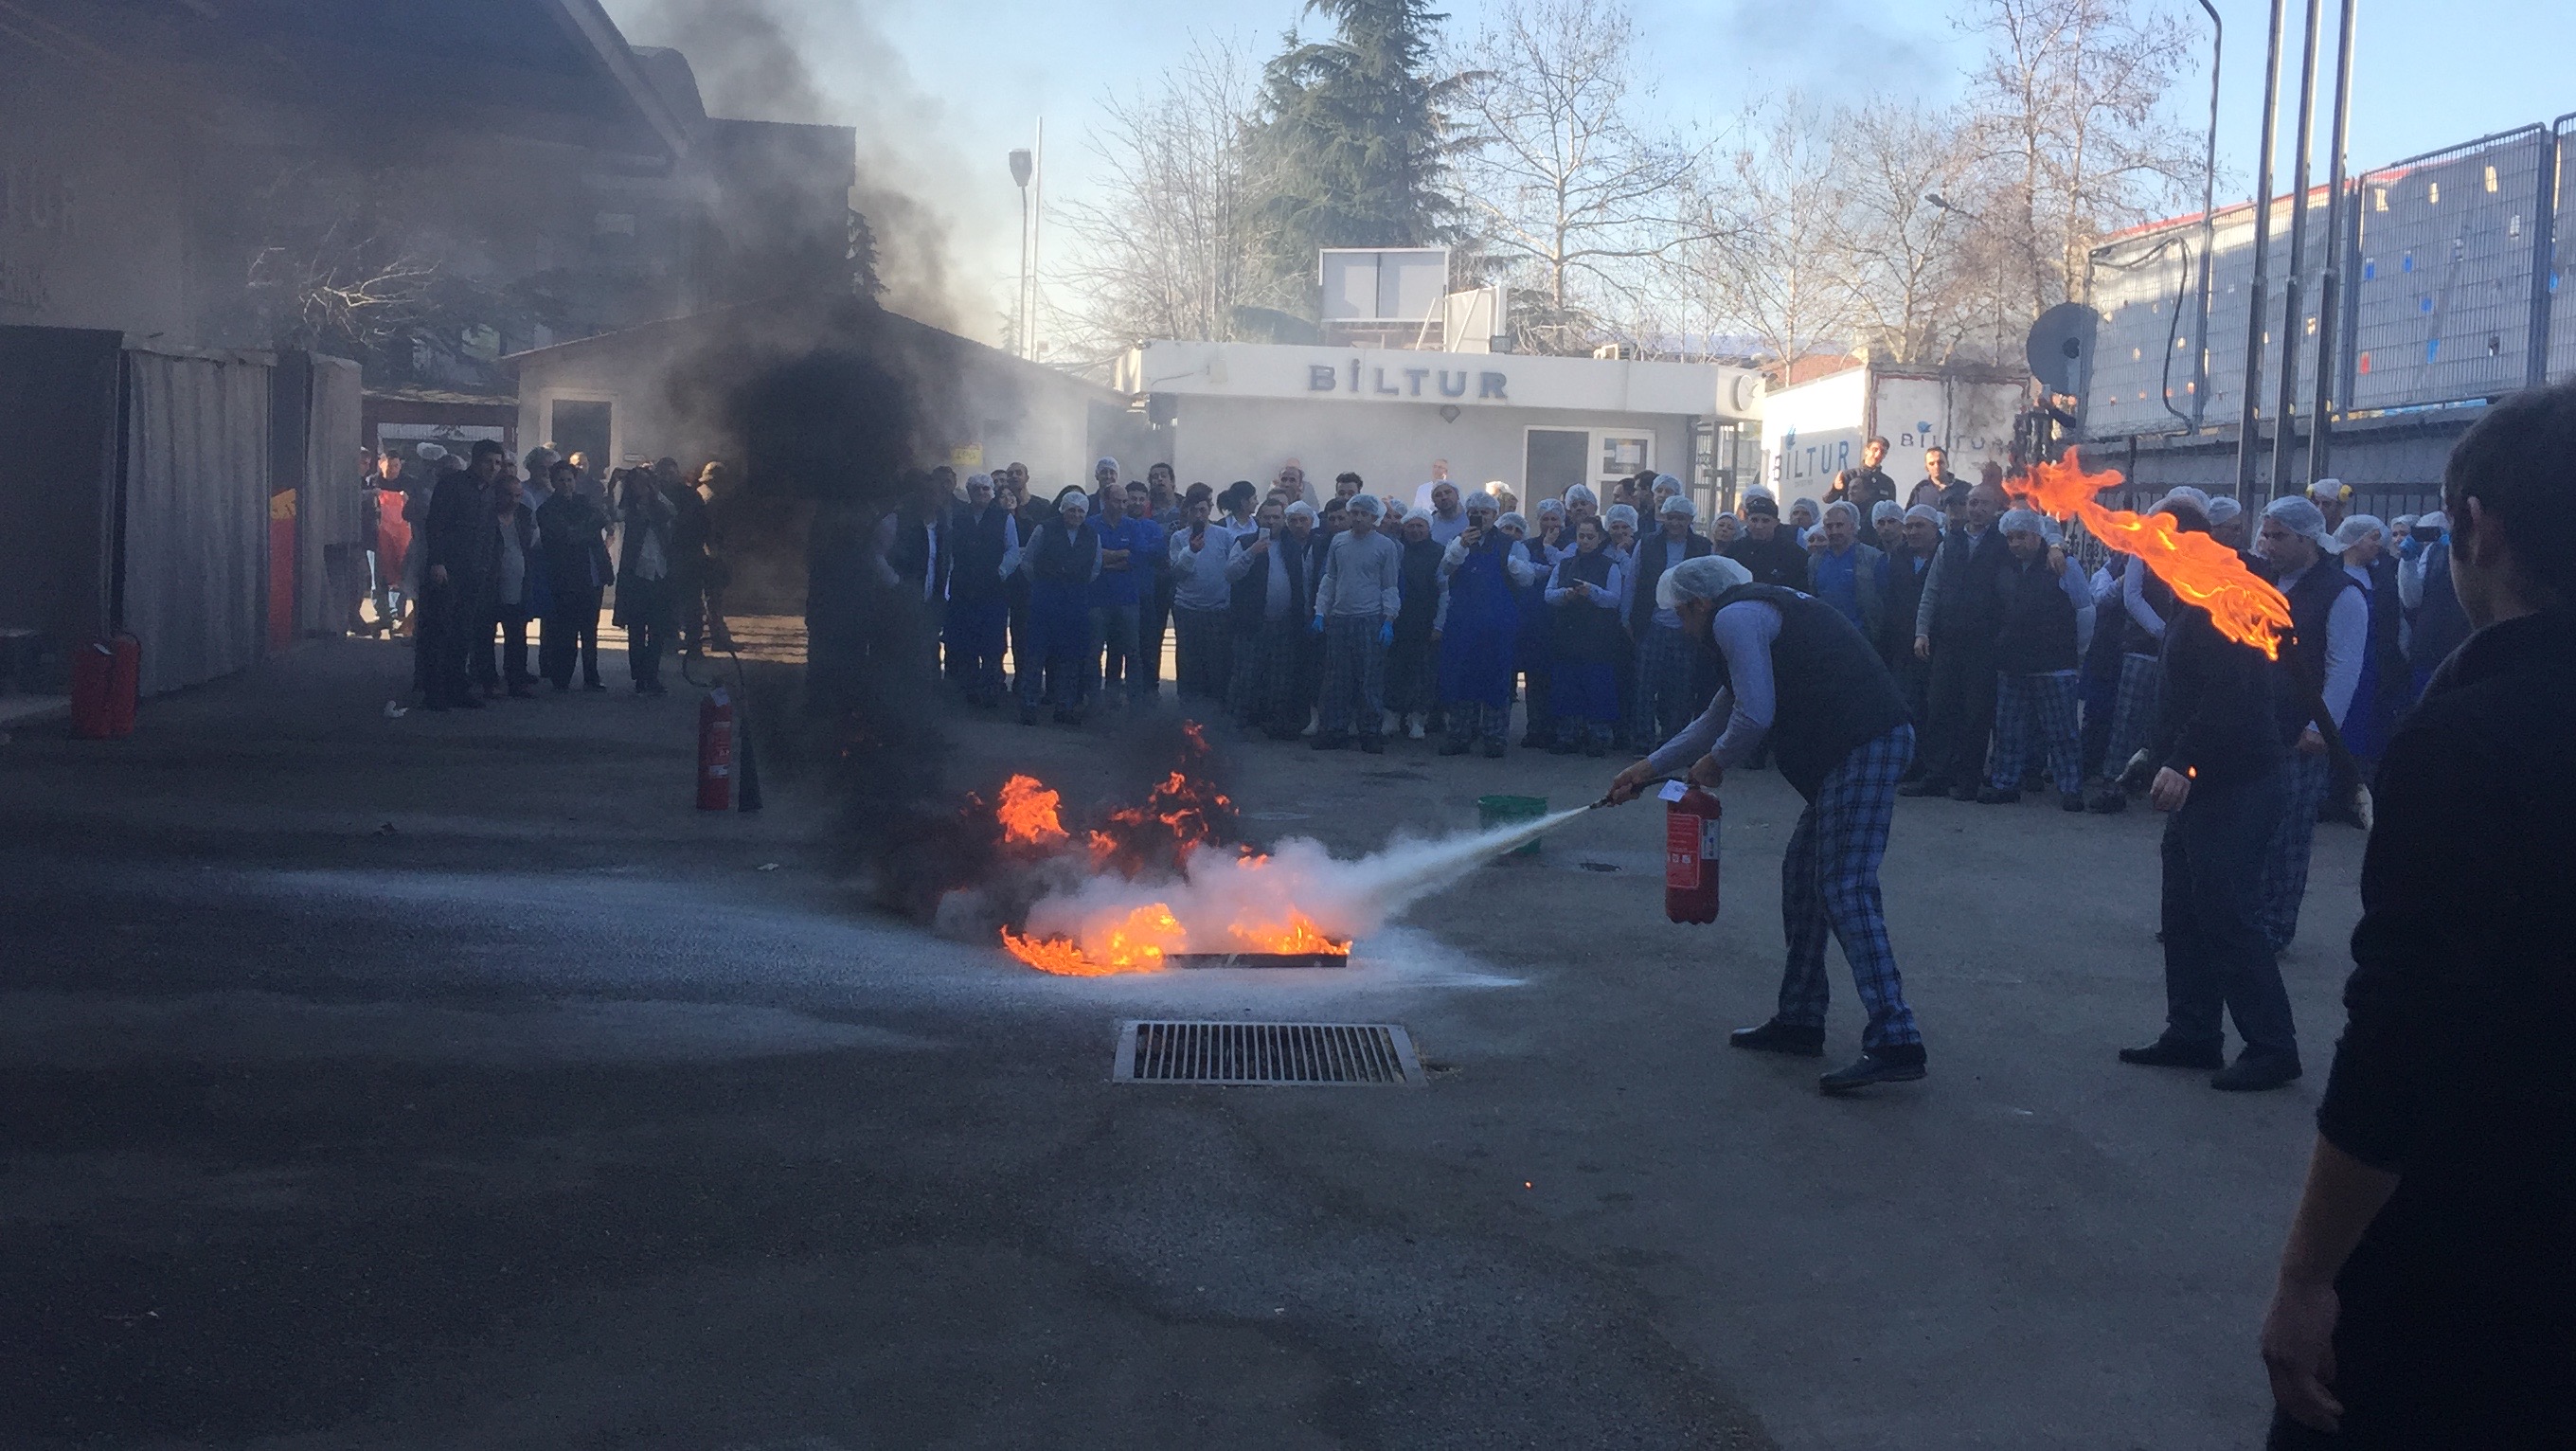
[2040,707]
[2133,713]
[1354,675]
[2285,860]
[1829,883]
[1666,665]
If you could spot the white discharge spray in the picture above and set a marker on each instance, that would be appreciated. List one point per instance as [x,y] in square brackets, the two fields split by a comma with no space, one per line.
[1273,903]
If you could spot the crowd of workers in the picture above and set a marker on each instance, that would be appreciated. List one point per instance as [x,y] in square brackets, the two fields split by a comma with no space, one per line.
[471,549]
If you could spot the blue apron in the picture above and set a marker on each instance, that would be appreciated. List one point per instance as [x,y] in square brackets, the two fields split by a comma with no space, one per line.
[1480,642]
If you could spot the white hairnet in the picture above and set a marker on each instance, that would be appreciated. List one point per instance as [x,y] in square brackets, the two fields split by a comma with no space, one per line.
[2357,528]
[2224,509]
[1110,464]
[430,453]
[1512,520]
[1924,512]
[1704,578]
[1884,510]
[1483,504]
[1074,499]
[1367,504]
[1581,494]
[1301,510]
[2437,521]
[1667,484]
[985,479]
[2302,518]
[2020,521]
[2335,489]
[1621,514]
[1677,504]
[1545,507]
[1842,506]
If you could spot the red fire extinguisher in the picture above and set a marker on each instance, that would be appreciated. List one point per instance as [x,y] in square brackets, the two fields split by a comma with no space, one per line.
[1690,853]
[106,678]
[715,751]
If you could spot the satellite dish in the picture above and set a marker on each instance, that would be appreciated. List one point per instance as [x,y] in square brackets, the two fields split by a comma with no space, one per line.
[2061,346]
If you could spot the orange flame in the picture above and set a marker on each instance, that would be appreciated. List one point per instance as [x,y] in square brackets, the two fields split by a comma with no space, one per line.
[1300,935]
[1028,813]
[1134,943]
[2202,571]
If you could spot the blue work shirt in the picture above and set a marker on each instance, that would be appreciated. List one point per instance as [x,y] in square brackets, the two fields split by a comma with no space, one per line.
[1143,542]
[1838,584]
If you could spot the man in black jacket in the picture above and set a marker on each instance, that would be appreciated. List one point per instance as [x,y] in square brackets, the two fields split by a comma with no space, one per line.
[2222,773]
[1955,624]
[1770,552]
[1867,485]
[2427,1296]
[462,548]
[571,529]
[981,531]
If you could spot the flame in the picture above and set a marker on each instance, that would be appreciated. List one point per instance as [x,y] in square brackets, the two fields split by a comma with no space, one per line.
[2202,571]
[1137,942]
[1028,813]
[1300,935]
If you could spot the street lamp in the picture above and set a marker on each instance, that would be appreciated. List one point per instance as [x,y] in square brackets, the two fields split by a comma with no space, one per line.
[1023,166]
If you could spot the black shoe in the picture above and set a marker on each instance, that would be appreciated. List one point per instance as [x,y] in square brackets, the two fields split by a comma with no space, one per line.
[2254,1072]
[2108,803]
[521,692]
[1561,748]
[1963,792]
[1533,741]
[1894,1063]
[593,685]
[1924,786]
[1493,750]
[1997,796]
[2070,800]
[1028,715]
[468,701]
[1374,745]
[2166,1053]
[1329,741]
[1454,746]
[1779,1037]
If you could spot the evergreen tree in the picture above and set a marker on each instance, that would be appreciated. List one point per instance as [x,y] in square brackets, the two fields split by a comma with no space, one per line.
[1355,133]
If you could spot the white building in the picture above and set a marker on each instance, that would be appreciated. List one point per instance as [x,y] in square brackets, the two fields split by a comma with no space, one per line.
[1227,411]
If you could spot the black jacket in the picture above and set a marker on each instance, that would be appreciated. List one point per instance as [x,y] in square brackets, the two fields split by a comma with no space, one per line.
[974,546]
[2464,977]
[1831,693]
[2036,633]
[568,539]
[1652,559]
[2217,717]
[1775,561]
[458,533]
[1862,486]
[1251,593]
[1904,596]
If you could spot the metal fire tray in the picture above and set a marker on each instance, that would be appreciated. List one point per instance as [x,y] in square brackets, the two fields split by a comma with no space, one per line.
[1258,959]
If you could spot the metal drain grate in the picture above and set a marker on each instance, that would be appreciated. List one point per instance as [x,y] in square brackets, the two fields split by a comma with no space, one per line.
[1310,1055]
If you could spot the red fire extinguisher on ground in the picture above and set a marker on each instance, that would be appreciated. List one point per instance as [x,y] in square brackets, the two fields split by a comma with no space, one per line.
[1690,853]
[106,679]
[715,751]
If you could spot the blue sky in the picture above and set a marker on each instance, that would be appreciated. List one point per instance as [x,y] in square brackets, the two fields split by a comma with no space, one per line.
[975,77]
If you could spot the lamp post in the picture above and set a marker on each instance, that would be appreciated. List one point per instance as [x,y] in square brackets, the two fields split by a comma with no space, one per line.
[1023,166]
[2208,226]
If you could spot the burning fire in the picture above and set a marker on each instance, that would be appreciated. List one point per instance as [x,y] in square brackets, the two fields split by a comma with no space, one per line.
[2201,570]
[1028,813]
[1100,927]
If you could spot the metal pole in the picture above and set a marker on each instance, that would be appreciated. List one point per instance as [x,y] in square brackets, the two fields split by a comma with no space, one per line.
[2330,283]
[2208,224]
[1036,223]
[2260,290]
[1020,303]
[2294,284]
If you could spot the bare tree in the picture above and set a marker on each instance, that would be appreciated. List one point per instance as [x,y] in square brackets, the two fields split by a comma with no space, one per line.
[2069,112]
[1168,246]
[1914,283]
[1768,251]
[1561,186]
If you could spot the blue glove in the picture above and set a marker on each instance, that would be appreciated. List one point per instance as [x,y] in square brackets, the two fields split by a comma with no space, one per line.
[1315,626]
[1386,633]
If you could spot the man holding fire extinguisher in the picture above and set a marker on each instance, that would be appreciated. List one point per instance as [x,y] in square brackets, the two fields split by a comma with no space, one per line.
[1797,674]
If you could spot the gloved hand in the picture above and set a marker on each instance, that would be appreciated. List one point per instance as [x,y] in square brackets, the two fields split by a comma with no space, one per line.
[1386,633]
[1315,626]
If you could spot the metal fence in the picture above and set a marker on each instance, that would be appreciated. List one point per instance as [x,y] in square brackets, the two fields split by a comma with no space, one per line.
[2448,265]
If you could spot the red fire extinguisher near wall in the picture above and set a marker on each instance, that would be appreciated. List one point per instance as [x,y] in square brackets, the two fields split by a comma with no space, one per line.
[715,751]
[1690,853]
[106,678]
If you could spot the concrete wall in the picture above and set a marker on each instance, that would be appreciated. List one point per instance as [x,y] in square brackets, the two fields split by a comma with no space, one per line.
[1390,445]
[91,231]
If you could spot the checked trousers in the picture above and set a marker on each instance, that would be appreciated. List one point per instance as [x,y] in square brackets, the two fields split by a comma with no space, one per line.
[2036,711]
[1354,676]
[1665,703]
[2133,714]
[1829,884]
[2285,859]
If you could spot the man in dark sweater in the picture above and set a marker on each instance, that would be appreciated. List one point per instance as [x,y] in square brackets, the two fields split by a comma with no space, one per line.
[2222,774]
[1954,630]
[461,553]
[1770,552]
[2427,1296]
[1795,672]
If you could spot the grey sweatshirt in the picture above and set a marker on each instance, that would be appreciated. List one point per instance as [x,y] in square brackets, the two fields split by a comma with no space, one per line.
[1361,574]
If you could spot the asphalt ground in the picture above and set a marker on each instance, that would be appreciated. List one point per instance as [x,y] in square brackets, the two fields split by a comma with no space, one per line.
[447,1081]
